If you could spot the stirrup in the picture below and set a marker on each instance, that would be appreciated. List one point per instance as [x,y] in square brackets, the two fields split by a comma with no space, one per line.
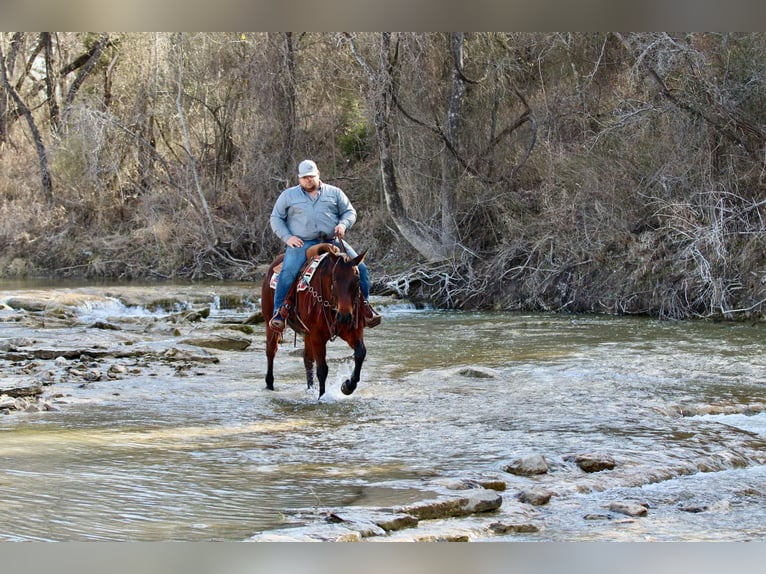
[278,321]
[371,317]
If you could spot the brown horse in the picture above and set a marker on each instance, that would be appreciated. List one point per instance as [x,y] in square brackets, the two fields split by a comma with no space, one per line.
[329,306]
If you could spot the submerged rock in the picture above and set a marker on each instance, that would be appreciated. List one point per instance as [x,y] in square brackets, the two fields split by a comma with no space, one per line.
[535,497]
[478,372]
[592,462]
[513,527]
[628,508]
[528,465]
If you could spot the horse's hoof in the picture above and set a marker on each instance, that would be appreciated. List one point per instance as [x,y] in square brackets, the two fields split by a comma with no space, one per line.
[347,387]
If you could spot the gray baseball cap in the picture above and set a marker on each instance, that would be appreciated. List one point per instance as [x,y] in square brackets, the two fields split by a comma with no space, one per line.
[307,167]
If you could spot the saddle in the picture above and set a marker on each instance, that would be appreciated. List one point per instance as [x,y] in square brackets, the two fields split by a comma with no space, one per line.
[314,256]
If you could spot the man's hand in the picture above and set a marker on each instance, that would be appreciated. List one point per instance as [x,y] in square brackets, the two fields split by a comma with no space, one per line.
[294,241]
[340,231]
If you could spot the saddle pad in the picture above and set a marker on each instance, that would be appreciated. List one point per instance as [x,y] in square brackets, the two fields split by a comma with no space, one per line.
[305,277]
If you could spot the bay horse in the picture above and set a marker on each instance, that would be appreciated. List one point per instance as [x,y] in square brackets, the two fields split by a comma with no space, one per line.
[327,305]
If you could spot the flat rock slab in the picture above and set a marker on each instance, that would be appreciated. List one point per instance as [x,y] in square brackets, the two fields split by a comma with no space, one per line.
[474,501]
[349,525]
[311,533]
[219,341]
[45,301]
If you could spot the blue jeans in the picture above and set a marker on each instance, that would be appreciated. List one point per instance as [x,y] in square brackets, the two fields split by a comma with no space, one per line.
[294,259]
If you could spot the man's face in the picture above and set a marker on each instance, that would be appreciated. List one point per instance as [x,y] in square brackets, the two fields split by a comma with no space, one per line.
[309,182]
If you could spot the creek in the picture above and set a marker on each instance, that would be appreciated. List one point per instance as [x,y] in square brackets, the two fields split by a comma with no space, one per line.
[200,450]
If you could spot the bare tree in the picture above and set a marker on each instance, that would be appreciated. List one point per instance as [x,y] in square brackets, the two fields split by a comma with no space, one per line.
[382,88]
[46,181]
[204,209]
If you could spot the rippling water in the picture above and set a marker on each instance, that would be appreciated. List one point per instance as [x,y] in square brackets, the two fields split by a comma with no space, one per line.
[214,456]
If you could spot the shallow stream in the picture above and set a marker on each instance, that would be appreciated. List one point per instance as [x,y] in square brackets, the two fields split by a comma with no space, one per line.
[207,453]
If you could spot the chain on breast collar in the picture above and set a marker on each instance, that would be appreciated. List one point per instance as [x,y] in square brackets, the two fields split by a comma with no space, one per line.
[318,296]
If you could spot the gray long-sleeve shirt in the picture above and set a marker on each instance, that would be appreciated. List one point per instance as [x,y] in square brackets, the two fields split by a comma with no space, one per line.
[295,213]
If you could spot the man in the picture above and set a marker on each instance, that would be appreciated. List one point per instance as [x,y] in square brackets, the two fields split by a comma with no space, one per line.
[305,215]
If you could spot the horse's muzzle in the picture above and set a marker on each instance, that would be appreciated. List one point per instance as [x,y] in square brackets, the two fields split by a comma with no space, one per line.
[344,318]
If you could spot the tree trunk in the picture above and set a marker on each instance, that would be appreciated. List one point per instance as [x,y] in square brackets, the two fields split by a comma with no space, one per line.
[286,95]
[5,118]
[450,165]
[45,173]
[95,54]
[50,88]
[382,86]
[204,209]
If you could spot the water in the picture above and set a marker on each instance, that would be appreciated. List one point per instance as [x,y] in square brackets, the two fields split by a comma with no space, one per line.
[206,453]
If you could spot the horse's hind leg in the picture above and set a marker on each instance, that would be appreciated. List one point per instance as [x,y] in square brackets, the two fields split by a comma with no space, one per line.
[272,343]
[308,363]
[318,352]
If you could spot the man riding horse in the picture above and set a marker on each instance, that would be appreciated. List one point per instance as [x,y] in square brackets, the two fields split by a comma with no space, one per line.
[307,214]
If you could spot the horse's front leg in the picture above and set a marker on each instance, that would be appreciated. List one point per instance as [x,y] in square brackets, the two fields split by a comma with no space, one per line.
[360,352]
[308,363]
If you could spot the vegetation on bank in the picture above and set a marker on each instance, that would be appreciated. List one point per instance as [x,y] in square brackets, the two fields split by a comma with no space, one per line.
[607,172]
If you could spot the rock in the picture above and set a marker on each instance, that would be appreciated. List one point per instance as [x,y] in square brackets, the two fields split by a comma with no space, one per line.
[493,484]
[116,371]
[391,522]
[218,341]
[255,318]
[592,462]
[483,500]
[535,497]
[105,326]
[16,392]
[470,483]
[92,374]
[312,533]
[7,403]
[477,373]
[53,302]
[628,508]
[175,354]
[363,526]
[528,465]
[455,483]
[476,501]
[694,508]
[14,343]
[513,528]
[597,517]
[195,316]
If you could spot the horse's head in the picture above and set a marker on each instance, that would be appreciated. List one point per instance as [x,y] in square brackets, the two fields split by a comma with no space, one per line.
[345,284]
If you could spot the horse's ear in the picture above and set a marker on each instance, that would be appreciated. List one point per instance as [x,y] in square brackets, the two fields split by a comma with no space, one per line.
[359,258]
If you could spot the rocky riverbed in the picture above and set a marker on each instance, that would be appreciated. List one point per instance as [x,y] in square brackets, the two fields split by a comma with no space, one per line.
[61,341]
[56,344]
